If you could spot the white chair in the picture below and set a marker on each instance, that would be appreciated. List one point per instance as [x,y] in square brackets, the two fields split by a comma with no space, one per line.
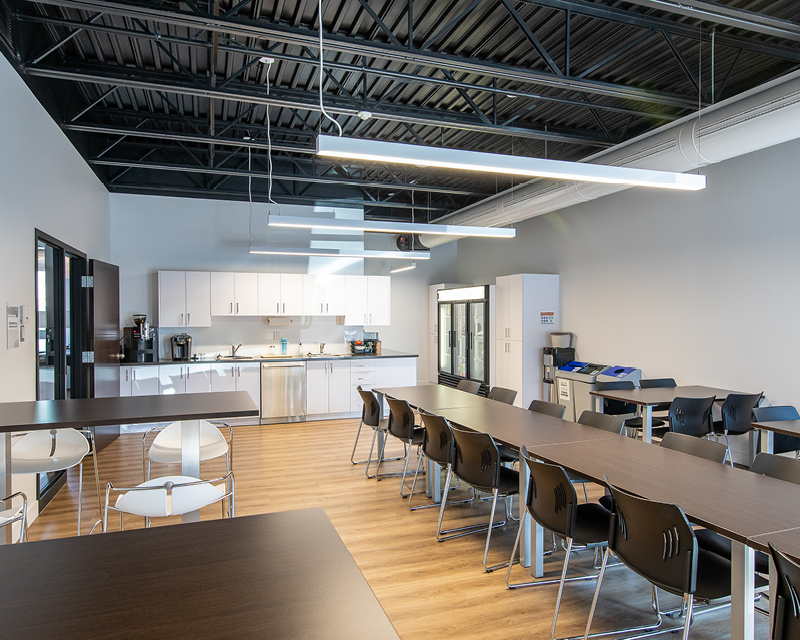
[12,515]
[166,446]
[56,450]
[169,496]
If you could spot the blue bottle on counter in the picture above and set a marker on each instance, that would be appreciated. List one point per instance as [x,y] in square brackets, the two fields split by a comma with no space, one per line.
[283,347]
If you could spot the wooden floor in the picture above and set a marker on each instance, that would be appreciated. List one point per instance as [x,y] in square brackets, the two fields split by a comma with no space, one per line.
[428,589]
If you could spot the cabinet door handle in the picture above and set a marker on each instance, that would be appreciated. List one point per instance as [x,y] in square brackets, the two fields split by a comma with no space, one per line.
[327,308]
[238,372]
[187,373]
[237,308]
[126,375]
[284,307]
[134,374]
[320,308]
[181,373]
[370,318]
[277,307]
[180,321]
[231,312]
[188,318]
[331,367]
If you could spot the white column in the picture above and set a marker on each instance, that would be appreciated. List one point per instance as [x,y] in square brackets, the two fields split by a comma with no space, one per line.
[190,457]
[532,543]
[647,423]
[5,480]
[742,591]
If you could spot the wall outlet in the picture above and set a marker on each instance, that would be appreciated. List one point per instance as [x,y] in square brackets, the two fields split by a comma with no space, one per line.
[276,335]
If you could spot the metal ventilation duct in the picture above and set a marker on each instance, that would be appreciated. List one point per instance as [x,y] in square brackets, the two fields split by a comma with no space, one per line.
[753,120]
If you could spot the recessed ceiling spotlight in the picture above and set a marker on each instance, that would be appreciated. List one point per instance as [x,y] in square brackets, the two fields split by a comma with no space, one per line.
[266,60]
[365,115]
[511,95]
[246,138]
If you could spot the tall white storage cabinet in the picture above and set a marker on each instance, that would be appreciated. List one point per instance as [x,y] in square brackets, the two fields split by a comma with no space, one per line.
[527,310]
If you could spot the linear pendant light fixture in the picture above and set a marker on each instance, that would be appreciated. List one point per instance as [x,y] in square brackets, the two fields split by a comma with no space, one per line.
[379,226]
[342,253]
[413,265]
[395,152]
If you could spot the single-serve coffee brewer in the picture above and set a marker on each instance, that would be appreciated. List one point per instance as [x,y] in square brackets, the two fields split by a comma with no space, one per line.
[181,346]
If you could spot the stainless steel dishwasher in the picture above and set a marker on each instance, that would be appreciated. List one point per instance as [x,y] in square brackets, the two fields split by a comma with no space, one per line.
[283,392]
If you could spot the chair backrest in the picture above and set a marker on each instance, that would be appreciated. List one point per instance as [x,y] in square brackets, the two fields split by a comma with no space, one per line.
[616,407]
[782,443]
[437,442]
[169,496]
[654,539]
[502,394]
[737,412]
[47,451]
[653,383]
[786,621]
[548,408]
[768,464]
[476,459]
[691,416]
[401,419]
[715,451]
[371,413]
[602,421]
[470,386]
[552,500]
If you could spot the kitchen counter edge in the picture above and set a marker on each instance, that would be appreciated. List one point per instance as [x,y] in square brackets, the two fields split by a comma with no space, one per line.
[386,353]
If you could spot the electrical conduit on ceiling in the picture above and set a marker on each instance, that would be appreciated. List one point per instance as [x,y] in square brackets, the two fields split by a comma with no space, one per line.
[762,117]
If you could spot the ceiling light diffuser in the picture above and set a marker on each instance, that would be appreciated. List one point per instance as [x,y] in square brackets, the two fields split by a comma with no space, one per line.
[380,226]
[342,253]
[395,152]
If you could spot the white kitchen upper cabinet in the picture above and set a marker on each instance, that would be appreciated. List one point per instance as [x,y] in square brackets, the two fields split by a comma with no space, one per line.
[223,377]
[338,386]
[223,293]
[335,295]
[248,378]
[517,294]
[124,381]
[198,299]
[355,300]
[198,378]
[316,387]
[291,294]
[171,379]
[245,289]
[501,308]
[313,295]
[269,294]
[379,300]
[172,298]
[144,380]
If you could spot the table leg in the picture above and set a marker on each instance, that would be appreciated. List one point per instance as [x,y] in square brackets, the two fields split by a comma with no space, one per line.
[5,481]
[593,405]
[190,457]
[767,440]
[531,546]
[752,441]
[647,424]
[433,481]
[773,591]
[742,591]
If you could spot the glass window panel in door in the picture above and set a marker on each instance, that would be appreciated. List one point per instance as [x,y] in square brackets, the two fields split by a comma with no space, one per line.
[445,327]
[46,321]
[477,333]
[460,332]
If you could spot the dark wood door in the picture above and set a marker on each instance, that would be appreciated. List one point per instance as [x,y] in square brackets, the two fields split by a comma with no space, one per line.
[104,337]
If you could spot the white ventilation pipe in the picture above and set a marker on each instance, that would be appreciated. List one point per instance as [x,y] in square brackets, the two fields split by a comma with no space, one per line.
[756,119]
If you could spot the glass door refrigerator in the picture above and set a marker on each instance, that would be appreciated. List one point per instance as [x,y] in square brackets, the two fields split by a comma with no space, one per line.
[463,335]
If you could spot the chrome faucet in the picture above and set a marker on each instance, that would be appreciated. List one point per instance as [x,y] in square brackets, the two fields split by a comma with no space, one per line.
[321,347]
[234,350]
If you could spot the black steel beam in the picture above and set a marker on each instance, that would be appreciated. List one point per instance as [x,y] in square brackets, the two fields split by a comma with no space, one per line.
[298,99]
[301,36]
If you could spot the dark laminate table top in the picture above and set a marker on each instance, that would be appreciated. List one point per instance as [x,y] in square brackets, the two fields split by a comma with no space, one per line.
[433,397]
[734,502]
[786,541]
[98,412]
[278,575]
[789,427]
[661,395]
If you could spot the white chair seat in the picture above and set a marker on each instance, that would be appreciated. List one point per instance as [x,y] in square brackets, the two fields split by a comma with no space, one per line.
[166,447]
[158,502]
[31,453]
[9,514]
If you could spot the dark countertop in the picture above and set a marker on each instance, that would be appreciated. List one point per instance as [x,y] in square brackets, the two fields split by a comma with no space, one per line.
[385,353]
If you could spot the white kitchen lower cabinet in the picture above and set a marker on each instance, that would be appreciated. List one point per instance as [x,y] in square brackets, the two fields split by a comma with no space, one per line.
[248,378]
[198,378]
[144,380]
[509,368]
[171,379]
[124,381]
[327,387]
[338,386]
[223,377]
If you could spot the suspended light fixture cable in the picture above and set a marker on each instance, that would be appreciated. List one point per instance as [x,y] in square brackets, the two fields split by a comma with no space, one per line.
[322,72]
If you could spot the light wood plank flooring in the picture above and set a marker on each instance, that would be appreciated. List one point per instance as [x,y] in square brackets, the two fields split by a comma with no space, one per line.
[428,589]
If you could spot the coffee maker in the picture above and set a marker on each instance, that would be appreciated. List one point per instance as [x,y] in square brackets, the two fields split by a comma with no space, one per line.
[140,343]
[554,357]
[181,346]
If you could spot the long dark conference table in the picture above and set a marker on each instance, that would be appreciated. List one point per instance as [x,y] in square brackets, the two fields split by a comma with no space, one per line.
[98,412]
[746,507]
[278,575]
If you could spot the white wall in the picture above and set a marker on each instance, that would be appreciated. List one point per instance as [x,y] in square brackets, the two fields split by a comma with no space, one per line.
[44,184]
[156,233]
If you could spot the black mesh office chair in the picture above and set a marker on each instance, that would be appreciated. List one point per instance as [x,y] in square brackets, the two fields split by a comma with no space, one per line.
[501,394]
[691,416]
[781,442]
[476,461]
[700,447]
[737,416]
[654,540]
[774,466]
[470,386]
[786,621]
[371,416]
[403,427]
[548,408]
[619,408]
